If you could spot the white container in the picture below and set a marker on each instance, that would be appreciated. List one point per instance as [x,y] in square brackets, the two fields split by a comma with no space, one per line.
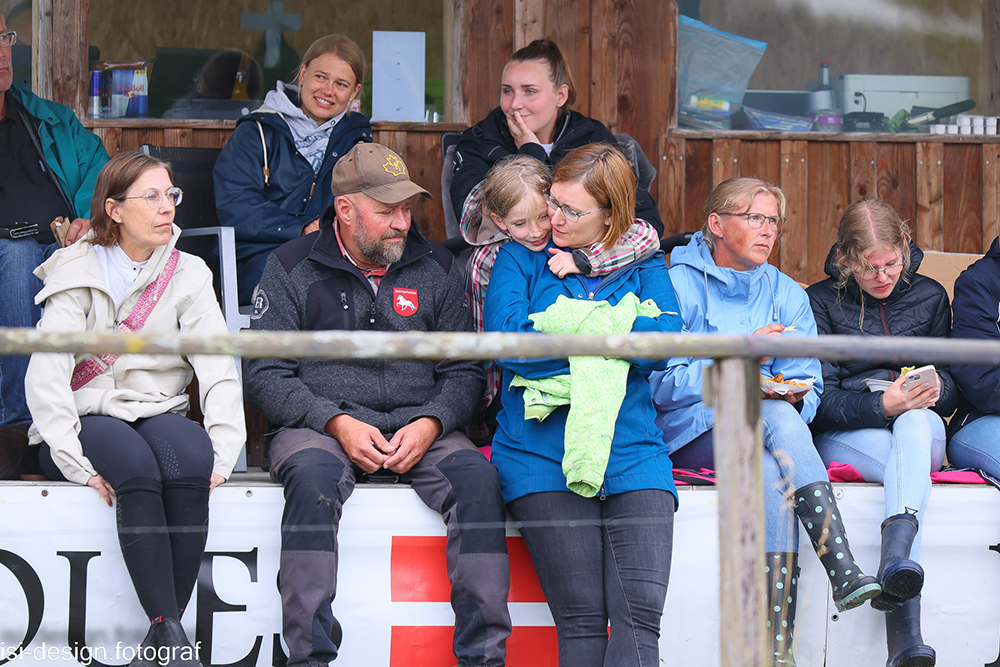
[951,129]
[978,129]
[965,129]
[991,129]
[965,121]
[889,93]
[937,128]
[978,121]
[991,121]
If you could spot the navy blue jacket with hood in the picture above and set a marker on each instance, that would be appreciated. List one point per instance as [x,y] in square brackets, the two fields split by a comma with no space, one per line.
[266,215]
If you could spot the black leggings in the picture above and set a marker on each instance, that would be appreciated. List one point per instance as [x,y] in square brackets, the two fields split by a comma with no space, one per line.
[160,469]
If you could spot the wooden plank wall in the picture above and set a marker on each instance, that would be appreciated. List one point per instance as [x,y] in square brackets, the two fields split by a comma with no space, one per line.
[947,191]
[421,150]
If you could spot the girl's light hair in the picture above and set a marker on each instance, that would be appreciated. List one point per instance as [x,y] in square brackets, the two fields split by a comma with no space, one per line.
[546,51]
[607,176]
[867,225]
[341,46]
[510,180]
[736,195]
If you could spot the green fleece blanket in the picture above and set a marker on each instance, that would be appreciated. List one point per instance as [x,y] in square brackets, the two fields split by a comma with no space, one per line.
[594,388]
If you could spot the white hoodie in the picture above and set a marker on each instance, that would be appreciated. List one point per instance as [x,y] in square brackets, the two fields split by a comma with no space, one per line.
[136,385]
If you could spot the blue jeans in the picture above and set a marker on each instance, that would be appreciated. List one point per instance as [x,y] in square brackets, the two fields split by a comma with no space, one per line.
[600,561]
[977,445]
[901,459]
[18,258]
[790,461]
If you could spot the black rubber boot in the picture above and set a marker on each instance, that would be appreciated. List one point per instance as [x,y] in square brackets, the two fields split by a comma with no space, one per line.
[782,588]
[145,656]
[902,637]
[173,647]
[900,577]
[817,510]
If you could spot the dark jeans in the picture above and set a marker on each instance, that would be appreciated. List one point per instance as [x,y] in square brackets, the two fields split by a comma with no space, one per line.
[601,561]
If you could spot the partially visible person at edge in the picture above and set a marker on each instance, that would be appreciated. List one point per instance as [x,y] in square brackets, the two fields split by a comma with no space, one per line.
[116,423]
[513,207]
[591,487]
[369,268]
[272,178]
[51,166]
[893,436]
[974,430]
[535,118]
[725,285]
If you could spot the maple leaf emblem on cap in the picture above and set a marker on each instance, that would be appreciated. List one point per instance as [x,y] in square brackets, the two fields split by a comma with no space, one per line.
[394,166]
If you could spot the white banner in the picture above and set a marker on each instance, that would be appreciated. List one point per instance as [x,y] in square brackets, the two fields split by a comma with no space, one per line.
[64,587]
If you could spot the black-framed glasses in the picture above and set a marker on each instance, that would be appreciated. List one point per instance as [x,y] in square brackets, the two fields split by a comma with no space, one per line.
[8,39]
[154,197]
[757,220]
[890,271]
[568,213]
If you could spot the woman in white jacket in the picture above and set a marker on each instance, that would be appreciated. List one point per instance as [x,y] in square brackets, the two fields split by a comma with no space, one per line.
[116,422]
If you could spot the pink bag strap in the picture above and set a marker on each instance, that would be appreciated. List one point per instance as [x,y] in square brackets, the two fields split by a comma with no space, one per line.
[92,366]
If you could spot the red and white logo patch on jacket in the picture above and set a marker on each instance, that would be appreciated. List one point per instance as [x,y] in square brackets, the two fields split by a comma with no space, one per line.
[405,301]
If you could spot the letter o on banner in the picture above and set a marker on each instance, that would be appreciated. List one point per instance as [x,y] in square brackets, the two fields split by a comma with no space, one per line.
[32,587]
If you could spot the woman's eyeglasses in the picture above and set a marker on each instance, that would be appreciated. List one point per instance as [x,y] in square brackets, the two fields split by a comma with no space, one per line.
[756,220]
[568,213]
[154,197]
[890,271]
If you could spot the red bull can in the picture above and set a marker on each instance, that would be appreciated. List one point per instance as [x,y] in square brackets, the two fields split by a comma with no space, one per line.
[129,94]
[94,96]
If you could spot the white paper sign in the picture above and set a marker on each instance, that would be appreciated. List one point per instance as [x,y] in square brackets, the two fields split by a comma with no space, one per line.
[398,75]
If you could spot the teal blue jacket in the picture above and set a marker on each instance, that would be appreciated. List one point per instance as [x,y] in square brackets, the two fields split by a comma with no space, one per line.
[72,153]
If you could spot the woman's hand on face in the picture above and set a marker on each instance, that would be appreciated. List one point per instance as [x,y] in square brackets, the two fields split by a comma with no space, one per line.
[215,481]
[519,130]
[562,263]
[102,486]
[895,401]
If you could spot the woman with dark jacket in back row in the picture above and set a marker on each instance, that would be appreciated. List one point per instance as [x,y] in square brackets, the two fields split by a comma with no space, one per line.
[890,434]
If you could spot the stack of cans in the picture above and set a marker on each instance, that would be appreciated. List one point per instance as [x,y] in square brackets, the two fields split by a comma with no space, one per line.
[118,93]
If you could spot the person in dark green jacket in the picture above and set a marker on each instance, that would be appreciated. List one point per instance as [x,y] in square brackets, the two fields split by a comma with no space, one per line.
[50,167]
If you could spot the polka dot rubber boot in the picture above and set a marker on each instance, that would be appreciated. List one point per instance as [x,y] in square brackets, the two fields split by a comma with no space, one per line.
[900,577]
[817,510]
[782,586]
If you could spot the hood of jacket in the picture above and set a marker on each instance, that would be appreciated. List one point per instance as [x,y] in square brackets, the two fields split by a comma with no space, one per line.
[477,225]
[728,282]
[280,112]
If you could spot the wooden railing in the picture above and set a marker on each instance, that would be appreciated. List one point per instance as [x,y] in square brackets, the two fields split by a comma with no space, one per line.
[732,388]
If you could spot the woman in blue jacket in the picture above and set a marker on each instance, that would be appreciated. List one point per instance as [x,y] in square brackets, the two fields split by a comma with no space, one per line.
[725,285]
[893,435]
[272,180]
[590,486]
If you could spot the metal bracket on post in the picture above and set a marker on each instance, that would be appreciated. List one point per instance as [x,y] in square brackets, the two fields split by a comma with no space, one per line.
[739,448]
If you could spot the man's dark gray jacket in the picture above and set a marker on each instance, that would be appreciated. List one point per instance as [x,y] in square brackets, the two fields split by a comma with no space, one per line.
[308,285]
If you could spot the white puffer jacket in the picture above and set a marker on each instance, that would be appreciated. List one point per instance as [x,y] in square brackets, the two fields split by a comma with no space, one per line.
[136,385]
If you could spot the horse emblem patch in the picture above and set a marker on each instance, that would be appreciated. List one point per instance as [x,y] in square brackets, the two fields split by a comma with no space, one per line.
[394,166]
[405,301]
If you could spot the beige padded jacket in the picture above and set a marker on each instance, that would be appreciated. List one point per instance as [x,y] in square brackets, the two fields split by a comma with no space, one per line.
[136,385]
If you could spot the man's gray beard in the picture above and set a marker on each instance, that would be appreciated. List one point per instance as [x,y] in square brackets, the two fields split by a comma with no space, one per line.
[381,251]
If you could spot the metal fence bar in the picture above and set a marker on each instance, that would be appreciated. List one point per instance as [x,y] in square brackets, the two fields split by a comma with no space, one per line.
[433,346]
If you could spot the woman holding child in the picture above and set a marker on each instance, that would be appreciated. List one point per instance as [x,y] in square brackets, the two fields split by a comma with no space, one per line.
[725,285]
[892,434]
[116,422]
[589,485]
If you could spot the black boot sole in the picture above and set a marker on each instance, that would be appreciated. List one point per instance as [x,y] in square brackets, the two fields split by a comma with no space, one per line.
[904,580]
[918,656]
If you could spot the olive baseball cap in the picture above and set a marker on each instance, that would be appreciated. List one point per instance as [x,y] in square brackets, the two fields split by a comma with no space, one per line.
[376,171]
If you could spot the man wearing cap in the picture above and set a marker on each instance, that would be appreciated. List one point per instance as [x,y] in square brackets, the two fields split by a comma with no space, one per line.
[48,167]
[369,268]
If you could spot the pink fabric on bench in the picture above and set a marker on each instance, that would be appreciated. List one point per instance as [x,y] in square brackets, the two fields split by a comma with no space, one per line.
[844,472]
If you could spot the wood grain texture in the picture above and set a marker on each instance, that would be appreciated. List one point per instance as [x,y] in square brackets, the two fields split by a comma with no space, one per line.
[670,185]
[761,159]
[67,53]
[697,182]
[963,199]
[793,247]
[864,175]
[739,444]
[605,62]
[838,137]
[930,196]
[989,85]
[485,42]
[991,195]
[568,25]
[829,196]
[726,155]
[669,73]
[529,22]
[896,175]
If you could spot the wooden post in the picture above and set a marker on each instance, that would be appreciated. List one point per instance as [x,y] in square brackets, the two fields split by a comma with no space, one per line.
[738,450]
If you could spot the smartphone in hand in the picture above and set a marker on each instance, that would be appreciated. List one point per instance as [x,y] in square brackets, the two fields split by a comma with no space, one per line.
[919,376]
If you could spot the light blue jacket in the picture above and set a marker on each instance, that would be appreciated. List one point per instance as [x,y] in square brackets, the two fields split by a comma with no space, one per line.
[714,299]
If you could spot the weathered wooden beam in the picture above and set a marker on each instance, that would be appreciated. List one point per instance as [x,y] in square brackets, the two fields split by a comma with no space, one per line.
[433,346]
[738,445]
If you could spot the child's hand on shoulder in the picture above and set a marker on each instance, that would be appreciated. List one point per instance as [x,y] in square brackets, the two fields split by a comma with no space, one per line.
[562,263]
